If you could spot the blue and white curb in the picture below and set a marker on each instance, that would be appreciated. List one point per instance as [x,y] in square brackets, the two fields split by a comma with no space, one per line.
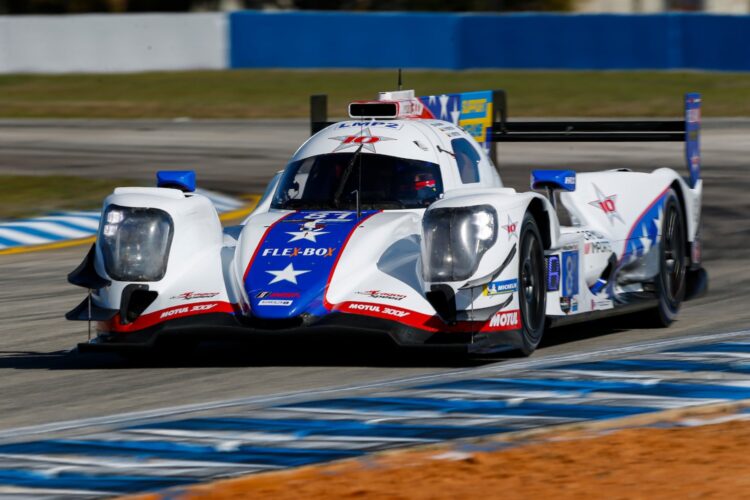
[241,438]
[62,226]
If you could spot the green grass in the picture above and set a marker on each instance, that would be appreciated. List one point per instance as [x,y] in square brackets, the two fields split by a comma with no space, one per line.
[283,94]
[22,196]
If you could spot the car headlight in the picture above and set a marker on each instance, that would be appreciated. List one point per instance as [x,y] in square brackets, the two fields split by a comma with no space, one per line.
[455,239]
[135,242]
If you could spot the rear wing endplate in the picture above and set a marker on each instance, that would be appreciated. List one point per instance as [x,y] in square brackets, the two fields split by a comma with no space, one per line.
[499,129]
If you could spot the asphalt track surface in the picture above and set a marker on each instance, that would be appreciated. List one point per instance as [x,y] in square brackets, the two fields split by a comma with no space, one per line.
[41,382]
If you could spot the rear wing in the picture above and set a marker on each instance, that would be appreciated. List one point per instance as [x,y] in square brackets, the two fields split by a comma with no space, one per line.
[484,115]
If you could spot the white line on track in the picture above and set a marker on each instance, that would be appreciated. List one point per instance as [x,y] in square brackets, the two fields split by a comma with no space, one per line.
[280,398]
[219,435]
[115,462]
[37,493]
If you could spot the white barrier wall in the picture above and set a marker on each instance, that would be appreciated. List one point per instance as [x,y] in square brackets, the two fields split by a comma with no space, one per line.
[110,44]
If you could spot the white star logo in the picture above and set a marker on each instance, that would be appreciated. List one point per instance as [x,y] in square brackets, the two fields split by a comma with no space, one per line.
[308,235]
[444,106]
[606,204]
[364,139]
[511,228]
[455,114]
[286,274]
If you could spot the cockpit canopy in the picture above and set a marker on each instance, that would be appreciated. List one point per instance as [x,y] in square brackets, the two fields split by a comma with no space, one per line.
[331,182]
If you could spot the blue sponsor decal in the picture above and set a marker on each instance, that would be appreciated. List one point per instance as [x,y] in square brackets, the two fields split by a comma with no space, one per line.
[553,273]
[501,287]
[470,110]
[570,274]
[476,105]
[290,271]
[444,107]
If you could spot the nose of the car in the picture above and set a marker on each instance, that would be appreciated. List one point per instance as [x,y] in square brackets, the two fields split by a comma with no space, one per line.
[292,266]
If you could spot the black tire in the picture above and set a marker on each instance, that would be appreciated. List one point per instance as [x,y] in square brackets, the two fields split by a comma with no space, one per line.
[532,292]
[670,282]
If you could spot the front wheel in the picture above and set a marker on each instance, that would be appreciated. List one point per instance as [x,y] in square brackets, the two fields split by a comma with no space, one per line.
[531,285]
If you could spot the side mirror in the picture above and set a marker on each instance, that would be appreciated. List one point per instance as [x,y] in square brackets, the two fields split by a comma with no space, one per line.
[553,180]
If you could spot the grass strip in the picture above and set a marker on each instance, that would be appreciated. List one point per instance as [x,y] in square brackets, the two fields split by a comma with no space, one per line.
[285,93]
[25,196]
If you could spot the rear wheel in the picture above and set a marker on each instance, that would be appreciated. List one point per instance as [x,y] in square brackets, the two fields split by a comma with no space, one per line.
[670,282]
[531,286]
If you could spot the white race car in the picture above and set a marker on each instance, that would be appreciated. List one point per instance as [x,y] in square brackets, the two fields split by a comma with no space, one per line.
[397,222]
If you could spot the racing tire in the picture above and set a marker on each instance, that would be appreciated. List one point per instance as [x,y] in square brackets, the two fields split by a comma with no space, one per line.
[532,292]
[670,283]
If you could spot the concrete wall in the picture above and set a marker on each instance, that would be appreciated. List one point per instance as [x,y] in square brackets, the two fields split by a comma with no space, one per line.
[112,43]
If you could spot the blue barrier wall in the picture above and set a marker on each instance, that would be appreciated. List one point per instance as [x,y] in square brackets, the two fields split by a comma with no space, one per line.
[461,41]
[343,40]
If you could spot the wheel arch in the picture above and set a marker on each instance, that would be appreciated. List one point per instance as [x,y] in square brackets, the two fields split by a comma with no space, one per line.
[677,187]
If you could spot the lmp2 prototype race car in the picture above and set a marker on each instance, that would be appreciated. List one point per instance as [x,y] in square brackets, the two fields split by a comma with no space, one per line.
[397,222]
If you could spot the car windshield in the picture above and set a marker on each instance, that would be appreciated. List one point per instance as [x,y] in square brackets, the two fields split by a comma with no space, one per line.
[322,183]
